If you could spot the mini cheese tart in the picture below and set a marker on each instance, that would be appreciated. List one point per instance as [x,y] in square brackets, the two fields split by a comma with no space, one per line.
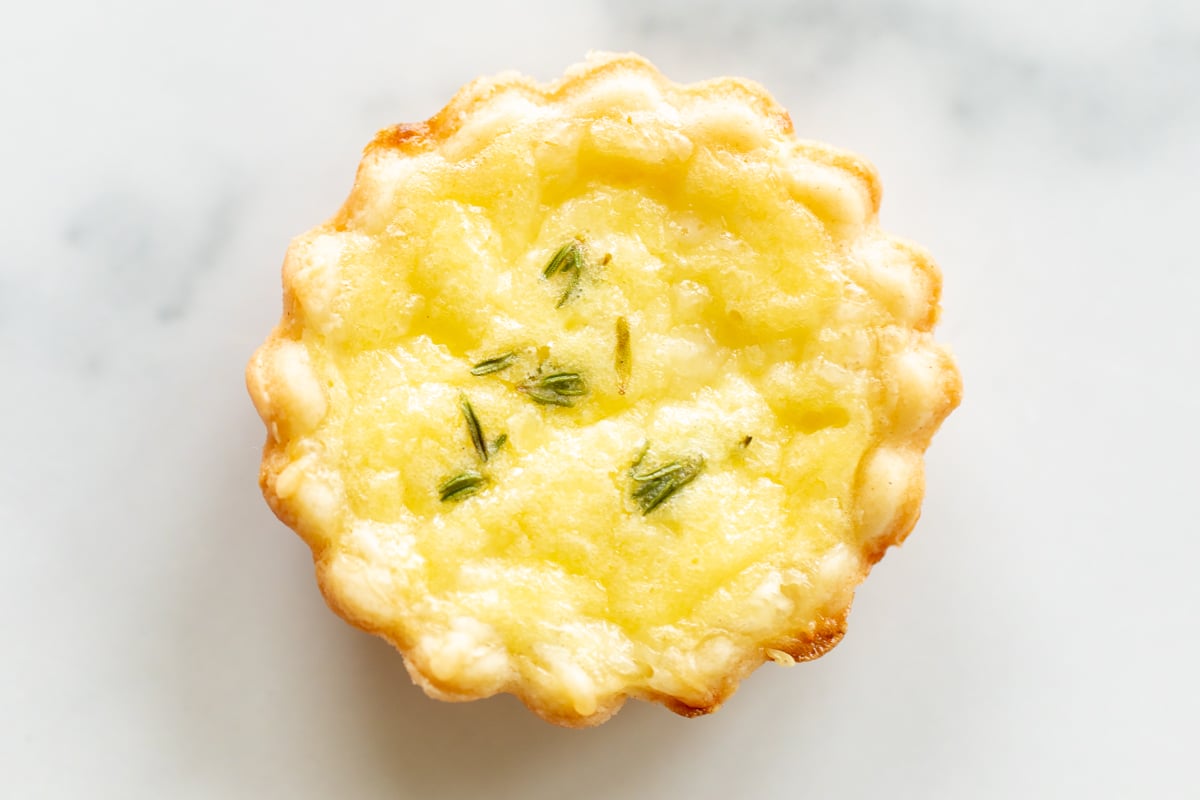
[600,389]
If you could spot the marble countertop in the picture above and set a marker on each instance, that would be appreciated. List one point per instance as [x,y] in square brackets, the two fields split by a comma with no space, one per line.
[1036,637]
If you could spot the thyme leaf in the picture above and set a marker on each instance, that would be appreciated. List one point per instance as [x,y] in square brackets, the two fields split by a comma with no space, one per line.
[494,364]
[555,389]
[568,258]
[474,428]
[563,259]
[623,359]
[661,472]
[653,488]
[461,486]
[566,383]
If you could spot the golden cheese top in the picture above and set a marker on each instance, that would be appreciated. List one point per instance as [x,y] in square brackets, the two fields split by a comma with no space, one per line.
[608,388]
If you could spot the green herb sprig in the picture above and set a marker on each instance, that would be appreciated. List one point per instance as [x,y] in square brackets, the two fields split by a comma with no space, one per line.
[474,428]
[494,364]
[469,481]
[623,356]
[461,486]
[654,487]
[567,259]
[555,389]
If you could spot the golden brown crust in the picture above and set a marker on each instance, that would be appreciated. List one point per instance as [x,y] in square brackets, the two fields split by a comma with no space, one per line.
[419,137]
[850,163]
[891,477]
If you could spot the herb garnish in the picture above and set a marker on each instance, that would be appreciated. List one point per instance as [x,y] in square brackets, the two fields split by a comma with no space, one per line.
[461,486]
[623,359]
[474,428]
[495,364]
[471,481]
[468,482]
[651,489]
[555,389]
[568,258]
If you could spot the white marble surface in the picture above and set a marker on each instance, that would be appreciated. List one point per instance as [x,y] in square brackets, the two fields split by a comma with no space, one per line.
[163,637]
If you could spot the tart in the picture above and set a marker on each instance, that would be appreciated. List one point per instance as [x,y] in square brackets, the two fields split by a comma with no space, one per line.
[599,389]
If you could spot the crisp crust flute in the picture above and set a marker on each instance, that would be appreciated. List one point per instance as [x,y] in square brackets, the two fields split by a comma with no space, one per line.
[600,389]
